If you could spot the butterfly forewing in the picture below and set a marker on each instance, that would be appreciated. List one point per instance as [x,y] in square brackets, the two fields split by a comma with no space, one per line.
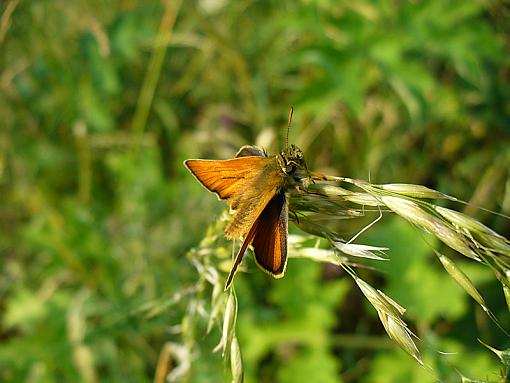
[224,177]
[248,184]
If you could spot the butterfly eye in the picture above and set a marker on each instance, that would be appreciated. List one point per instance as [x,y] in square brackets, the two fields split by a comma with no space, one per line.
[289,168]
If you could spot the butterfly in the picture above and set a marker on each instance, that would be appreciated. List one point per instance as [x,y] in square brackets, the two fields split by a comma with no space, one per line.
[254,185]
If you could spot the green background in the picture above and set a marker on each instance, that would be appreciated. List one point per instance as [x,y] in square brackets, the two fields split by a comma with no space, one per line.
[98,110]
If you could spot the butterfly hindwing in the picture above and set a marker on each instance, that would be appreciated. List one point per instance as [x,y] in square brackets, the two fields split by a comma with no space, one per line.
[268,235]
[270,240]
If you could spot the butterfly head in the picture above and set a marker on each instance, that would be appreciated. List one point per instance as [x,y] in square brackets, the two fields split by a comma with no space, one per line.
[291,159]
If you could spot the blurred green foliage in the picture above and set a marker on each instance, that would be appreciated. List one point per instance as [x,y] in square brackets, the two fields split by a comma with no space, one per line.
[101,101]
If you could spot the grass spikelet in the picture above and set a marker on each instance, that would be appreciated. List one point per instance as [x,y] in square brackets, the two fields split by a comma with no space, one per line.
[375,299]
[409,210]
[506,292]
[236,361]
[217,306]
[335,192]
[419,217]
[462,279]
[398,331]
[388,311]
[317,254]
[399,308]
[465,222]
[359,250]
[229,323]
[415,191]
[503,355]
[379,300]
[496,244]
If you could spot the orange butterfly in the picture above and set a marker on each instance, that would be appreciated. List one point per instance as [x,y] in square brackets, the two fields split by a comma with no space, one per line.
[254,186]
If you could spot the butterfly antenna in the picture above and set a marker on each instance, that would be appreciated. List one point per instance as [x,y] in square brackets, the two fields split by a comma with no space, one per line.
[291,111]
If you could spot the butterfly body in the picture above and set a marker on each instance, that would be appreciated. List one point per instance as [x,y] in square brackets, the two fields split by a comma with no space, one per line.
[254,186]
